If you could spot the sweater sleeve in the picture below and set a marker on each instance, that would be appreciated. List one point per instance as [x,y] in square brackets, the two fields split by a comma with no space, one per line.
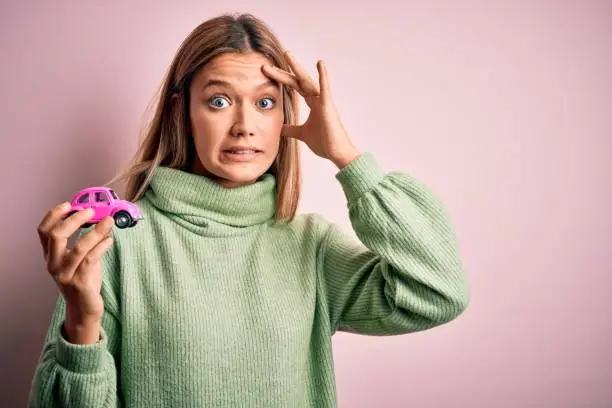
[73,375]
[405,275]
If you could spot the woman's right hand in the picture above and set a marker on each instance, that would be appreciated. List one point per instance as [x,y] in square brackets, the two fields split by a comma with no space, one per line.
[77,271]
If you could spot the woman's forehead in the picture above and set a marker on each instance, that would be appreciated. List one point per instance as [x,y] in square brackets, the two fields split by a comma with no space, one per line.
[235,70]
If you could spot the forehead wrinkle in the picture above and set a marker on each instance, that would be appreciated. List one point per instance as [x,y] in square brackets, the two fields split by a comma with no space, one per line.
[232,72]
[222,82]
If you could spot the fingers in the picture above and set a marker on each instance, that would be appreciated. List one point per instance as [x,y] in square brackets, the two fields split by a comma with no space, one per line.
[299,80]
[48,222]
[323,82]
[59,235]
[291,131]
[283,77]
[90,258]
[87,250]
[96,253]
[309,87]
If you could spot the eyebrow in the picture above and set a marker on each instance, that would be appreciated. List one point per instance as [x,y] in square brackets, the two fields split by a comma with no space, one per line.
[222,83]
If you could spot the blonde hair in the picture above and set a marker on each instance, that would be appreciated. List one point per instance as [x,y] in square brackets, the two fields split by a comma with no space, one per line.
[167,138]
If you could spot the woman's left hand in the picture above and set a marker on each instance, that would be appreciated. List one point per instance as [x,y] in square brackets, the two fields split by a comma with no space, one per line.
[323,131]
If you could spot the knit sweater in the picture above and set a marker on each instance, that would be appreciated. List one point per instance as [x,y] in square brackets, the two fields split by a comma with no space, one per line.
[209,302]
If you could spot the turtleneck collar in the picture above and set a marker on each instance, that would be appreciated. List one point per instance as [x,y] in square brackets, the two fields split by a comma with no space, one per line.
[200,200]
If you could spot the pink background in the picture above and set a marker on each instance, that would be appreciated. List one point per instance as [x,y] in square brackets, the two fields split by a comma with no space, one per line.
[504,108]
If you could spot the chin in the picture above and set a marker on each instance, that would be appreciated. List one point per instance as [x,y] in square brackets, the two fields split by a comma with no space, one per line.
[234,176]
[233,173]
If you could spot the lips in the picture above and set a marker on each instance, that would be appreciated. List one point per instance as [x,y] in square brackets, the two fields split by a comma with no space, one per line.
[242,150]
[241,154]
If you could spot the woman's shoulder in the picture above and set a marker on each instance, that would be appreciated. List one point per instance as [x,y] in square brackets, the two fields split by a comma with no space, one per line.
[311,225]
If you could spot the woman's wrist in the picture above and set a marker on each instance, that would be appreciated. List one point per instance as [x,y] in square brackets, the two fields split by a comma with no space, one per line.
[82,329]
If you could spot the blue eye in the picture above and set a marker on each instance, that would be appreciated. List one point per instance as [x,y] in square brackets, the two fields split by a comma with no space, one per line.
[268,105]
[217,102]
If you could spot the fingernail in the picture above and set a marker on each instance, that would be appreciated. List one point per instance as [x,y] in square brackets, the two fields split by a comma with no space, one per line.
[65,205]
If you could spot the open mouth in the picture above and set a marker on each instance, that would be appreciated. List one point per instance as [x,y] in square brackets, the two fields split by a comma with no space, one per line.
[241,155]
[241,151]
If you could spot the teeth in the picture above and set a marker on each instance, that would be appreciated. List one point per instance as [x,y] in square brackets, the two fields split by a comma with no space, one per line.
[242,151]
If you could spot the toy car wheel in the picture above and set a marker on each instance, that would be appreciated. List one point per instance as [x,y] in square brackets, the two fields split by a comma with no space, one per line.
[122,219]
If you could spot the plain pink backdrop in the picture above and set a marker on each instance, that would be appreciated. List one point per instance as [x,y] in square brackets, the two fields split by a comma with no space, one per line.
[504,108]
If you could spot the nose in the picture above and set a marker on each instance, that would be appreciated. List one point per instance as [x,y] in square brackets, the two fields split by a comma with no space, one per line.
[244,125]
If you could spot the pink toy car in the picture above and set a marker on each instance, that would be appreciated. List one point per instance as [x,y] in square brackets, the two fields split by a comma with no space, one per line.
[105,202]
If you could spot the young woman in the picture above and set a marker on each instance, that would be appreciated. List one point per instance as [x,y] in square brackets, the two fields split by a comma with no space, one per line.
[223,296]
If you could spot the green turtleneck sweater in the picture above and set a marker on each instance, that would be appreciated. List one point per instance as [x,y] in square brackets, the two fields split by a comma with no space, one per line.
[211,303]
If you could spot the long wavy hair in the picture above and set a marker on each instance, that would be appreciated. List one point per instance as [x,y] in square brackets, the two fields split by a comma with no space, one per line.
[168,140]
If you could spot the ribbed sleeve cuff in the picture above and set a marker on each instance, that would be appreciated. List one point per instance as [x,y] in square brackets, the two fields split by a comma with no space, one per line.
[81,358]
[359,176]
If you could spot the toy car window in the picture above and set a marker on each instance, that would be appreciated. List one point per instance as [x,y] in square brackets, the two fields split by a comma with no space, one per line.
[114,195]
[101,197]
[84,198]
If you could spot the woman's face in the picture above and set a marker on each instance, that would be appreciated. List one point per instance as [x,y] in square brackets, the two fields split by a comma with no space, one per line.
[236,116]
